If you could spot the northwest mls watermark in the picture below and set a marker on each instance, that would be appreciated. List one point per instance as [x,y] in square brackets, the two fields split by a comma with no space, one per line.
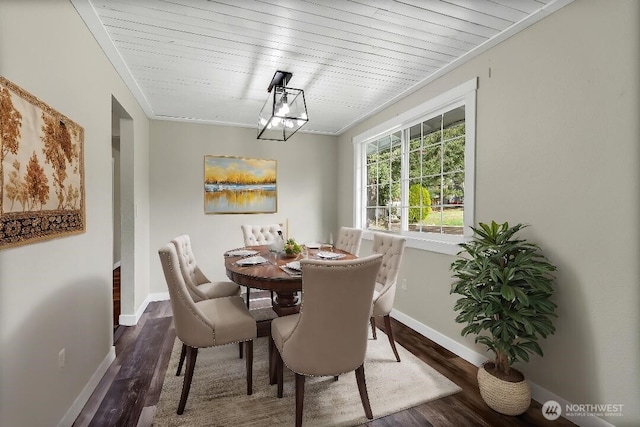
[552,410]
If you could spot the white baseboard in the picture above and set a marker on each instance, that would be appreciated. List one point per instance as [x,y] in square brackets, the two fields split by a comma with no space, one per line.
[466,353]
[82,399]
[537,393]
[132,319]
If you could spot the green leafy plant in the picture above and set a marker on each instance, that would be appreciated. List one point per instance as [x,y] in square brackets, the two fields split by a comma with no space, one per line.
[506,286]
[291,247]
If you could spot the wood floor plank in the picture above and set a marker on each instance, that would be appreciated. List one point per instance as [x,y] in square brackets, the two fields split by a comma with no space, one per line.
[153,394]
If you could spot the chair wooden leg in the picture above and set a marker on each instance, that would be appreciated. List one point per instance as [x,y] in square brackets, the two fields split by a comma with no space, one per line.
[279,372]
[387,326]
[192,355]
[240,347]
[273,378]
[372,320]
[300,398]
[182,355]
[362,387]
[248,289]
[249,347]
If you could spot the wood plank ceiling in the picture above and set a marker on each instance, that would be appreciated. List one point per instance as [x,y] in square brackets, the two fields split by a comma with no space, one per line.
[211,61]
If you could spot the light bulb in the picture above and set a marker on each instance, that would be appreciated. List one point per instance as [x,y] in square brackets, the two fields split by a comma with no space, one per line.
[282,107]
[283,110]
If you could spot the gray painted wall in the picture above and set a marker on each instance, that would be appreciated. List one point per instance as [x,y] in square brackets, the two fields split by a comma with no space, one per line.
[57,294]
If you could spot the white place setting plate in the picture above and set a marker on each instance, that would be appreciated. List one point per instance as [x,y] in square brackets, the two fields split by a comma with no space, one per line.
[330,255]
[294,265]
[241,252]
[254,260]
[313,245]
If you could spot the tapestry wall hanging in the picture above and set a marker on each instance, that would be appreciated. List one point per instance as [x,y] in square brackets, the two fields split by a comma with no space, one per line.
[239,185]
[41,170]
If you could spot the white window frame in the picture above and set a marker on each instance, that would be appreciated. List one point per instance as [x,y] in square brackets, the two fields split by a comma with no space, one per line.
[464,94]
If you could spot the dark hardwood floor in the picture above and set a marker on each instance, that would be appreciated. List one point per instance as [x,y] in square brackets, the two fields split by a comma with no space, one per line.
[130,389]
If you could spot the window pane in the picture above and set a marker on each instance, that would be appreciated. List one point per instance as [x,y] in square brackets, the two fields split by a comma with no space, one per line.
[432,224]
[375,219]
[372,174]
[432,130]
[396,169]
[453,188]
[372,152]
[372,195]
[431,160]
[452,121]
[415,137]
[432,183]
[384,144]
[415,159]
[419,204]
[453,220]
[453,155]
[396,139]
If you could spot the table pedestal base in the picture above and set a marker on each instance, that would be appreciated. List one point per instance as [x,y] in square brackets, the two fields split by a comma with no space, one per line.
[286,303]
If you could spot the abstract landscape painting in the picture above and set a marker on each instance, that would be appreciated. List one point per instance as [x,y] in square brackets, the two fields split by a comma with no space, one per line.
[239,185]
[41,170]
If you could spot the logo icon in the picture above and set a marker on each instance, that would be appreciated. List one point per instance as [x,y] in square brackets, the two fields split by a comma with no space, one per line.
[551,410]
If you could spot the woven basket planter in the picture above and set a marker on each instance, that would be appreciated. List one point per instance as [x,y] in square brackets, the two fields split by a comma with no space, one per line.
[503,396]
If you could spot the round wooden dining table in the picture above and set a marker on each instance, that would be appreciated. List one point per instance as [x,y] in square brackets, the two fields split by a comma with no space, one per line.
[271,276]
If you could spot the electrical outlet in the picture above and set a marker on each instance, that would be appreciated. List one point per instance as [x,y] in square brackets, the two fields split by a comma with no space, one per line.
[61,359]
[403,285]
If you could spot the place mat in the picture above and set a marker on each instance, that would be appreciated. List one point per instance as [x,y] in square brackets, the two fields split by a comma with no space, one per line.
[291,271]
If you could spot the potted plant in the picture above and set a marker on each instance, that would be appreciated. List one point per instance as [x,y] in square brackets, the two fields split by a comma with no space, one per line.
[506,286]
[292,248]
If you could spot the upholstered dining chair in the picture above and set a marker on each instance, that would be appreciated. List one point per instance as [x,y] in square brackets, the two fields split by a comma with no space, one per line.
[259,235]
[199,286]
[206,323]
[255,235]
[391,248]
[349,240]
[328,337]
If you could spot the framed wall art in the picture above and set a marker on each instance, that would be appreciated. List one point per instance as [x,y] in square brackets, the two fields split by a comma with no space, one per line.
[41,170]
[234,185]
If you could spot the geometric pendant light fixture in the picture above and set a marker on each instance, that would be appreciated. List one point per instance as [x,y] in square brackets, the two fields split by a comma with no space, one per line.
[284,112]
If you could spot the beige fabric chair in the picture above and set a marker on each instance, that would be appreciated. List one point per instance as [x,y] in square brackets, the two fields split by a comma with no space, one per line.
[391,248]
[329,335]
[206,323]
[349,240]
[259,235]
[200,288]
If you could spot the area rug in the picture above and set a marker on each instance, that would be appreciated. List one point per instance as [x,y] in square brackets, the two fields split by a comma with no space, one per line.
[218,391]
